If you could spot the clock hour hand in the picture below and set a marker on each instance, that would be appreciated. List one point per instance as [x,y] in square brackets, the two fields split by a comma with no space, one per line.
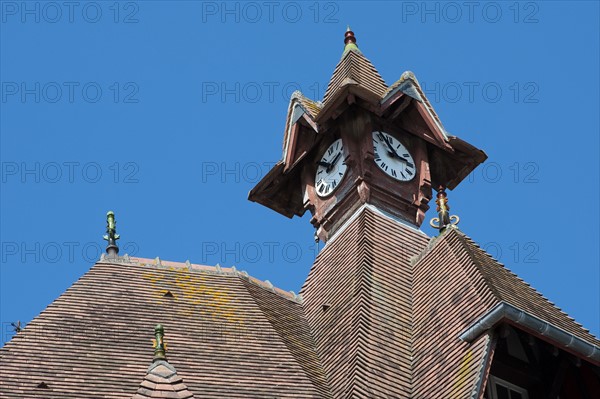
[332,164]
[321,163]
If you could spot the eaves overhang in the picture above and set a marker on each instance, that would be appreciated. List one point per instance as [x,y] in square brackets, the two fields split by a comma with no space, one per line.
[505,312]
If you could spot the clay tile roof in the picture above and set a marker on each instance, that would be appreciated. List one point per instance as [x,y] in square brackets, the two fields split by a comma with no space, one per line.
[382,314]
[298,105]
[387,308]
[229,335]
[409,85]
[508,287]
[162,381]
[363,333]
[355,69]
[312,107]
[454,283]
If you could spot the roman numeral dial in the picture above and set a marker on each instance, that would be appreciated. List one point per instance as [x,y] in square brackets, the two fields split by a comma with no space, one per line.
[331,169]
[392,157]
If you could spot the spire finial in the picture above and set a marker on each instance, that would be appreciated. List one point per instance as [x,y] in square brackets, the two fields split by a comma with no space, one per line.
[111,229]
[349,36]
[350,41]
[444,218]
[159,345]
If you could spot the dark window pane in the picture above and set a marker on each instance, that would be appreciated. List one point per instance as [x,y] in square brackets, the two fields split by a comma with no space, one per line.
[515,395]
[502,392]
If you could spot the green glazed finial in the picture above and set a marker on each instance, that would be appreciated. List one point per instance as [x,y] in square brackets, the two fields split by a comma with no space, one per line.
[349,42]
[111,234]
[160,347]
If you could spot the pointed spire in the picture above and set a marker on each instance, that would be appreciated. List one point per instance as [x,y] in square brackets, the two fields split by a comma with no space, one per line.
[354,69]
[159,345]
[111,235]
[350,42]
[444,218]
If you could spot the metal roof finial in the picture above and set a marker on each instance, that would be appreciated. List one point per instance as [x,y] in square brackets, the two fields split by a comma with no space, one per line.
[159,345]
[444,218]
[111,229]
[17,326]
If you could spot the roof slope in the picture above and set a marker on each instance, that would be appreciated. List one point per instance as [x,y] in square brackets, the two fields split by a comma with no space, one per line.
[162,381]
[357,69]
[508,287]
[226,336]
[357,299]
[382,315]
[387,310]
[448,291]
[455,283]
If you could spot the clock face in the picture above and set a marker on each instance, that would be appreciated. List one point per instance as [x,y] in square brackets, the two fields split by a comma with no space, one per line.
[331,168]
[392,157]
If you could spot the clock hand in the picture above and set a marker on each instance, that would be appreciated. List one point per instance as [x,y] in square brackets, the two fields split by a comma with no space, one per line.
[321,163]
[332,164]
[391,150]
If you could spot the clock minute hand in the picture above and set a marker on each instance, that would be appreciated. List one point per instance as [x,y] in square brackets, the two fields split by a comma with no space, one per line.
[390,147]
[392,150]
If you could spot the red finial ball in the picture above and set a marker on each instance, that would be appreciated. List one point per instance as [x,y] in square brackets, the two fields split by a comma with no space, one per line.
[441,192]
[349,37]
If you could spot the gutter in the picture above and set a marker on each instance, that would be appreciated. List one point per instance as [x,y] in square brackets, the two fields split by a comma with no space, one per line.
[505,311]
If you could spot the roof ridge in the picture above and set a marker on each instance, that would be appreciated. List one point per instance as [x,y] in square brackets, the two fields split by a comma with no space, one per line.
[462,238]
[199,268]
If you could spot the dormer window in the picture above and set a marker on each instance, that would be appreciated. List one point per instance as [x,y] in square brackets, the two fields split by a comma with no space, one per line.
[500,389]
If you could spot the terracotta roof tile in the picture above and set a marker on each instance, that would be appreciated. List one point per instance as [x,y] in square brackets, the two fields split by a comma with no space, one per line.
[380,316]
[355,68]
[411,86]
[448,295]
[509,288]
[364,333]
[226,338]
[455,283]
[162,381]
[312,107]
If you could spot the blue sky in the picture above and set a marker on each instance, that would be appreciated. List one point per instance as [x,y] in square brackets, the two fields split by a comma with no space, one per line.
[169,112]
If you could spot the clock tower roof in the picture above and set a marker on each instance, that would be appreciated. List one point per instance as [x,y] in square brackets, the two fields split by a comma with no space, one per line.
[354,69]
[357,99]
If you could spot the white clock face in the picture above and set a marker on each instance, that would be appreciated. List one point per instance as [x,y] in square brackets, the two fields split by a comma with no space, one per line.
[392,157]
[331,168]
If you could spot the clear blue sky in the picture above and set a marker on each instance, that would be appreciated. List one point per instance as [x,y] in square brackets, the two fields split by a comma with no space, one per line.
[166,113]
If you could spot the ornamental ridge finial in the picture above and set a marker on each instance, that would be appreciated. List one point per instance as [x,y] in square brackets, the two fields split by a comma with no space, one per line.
[349,36]
[159,345]
[111,235]
[444,218]
[350,41]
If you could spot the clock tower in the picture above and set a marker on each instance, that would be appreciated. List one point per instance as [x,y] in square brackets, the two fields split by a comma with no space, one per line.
[364,143]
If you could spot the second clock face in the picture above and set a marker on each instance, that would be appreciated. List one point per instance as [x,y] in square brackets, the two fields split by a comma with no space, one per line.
[392,157]
[331,168]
